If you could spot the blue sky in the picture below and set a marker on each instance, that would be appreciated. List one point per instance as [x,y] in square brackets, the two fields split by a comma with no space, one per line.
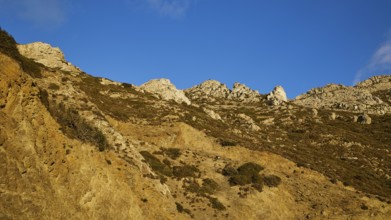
[299,44]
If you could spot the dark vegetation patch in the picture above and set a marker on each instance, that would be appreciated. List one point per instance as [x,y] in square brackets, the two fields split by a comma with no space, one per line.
[8,47]
[72,124]
[216,204]
[248,174]
[156,165]
[208,187]
[172,153]
[185,171]
[53,86]
[181,209]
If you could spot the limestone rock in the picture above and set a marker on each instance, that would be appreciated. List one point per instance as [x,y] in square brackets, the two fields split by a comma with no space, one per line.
[242,93]
[210,90]
[277,96]
[47,55]
[369,96]
[166,90]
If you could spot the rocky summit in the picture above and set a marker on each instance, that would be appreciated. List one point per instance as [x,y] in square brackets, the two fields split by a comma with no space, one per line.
[74,146]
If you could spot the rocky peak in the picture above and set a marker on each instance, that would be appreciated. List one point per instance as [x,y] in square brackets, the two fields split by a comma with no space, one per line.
[209,90]
[165,90]
[47,55]
[277,96]
[241,92]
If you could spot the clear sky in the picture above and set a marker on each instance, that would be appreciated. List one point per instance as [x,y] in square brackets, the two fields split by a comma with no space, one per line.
[299,44]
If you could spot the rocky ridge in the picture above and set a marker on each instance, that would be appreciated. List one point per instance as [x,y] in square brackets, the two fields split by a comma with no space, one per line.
[370,96]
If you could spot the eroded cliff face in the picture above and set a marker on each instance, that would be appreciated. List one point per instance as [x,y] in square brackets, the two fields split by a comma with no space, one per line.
[75,146]
[45,174]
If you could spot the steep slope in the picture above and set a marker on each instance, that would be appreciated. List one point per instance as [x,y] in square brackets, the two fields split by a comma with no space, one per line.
[77,146]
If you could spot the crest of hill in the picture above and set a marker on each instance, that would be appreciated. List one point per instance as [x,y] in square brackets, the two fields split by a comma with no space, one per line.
[372,96]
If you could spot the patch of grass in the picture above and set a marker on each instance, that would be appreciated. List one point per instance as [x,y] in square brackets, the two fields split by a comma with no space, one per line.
[73,125]
[185,171]
[156,165]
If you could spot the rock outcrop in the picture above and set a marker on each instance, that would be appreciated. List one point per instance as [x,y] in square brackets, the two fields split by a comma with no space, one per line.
[165,90]
[242,93]
[212,90]
[277,96]
[368,96]
[47,55]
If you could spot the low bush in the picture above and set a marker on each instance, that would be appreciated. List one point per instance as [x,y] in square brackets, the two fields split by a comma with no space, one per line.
[172,153]
[156,165]
[216,204]
[185,171]
[73,125]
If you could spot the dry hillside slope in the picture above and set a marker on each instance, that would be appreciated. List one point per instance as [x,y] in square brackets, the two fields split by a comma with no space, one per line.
[74,146]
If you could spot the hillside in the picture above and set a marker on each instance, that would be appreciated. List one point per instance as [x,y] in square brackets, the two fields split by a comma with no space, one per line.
[74,146]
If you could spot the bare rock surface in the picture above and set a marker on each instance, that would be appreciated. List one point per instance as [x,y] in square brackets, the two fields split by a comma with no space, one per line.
[370,96]
[242,93]
[212,90]
[166,90]
[277,96]
[47,55]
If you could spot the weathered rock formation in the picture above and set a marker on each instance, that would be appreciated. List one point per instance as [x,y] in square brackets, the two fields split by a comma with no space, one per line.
[242,93]
[212,91]
[277,96]
[370,96]
[47,55]
[165,90]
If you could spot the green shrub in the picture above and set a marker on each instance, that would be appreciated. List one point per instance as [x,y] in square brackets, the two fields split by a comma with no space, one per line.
[249,169]
[226,143]
[229,171]
[209,186]
[216,204]
[172,153]
[53,86]
[185,171]
[156,165]
[272,180]
[239,180]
